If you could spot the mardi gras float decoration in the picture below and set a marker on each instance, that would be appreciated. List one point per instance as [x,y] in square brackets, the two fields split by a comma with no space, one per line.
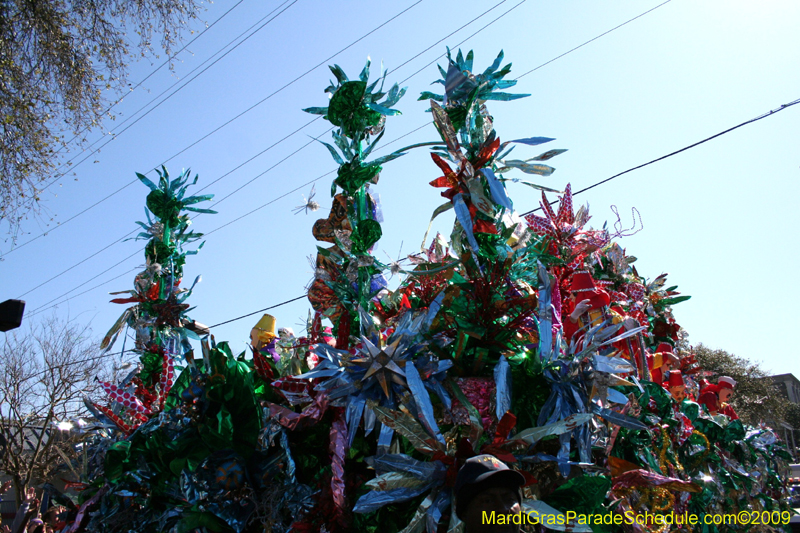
[533,339]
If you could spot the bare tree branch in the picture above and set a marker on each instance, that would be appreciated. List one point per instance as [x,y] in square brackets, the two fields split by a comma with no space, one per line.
[57,60]
[43,377]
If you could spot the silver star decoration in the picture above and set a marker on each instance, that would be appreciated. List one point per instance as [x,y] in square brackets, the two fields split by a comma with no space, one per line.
[383,363]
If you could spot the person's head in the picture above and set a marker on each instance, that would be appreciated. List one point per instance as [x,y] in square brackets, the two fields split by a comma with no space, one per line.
[676,386]
[726,385]
[54,515]
[485,485]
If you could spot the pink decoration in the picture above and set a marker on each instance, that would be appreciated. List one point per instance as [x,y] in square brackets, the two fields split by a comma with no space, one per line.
[125,398]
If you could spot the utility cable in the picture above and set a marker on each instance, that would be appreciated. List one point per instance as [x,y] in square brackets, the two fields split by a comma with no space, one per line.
[676,152]
[48,305]
[142,116]
[594,39]
[286,137]
[139,84]
[259,311]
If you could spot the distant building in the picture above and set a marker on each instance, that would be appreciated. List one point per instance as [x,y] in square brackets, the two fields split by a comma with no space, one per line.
[788,385]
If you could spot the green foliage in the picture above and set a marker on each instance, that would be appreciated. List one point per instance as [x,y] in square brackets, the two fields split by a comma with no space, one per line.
[56,60]
[755,398]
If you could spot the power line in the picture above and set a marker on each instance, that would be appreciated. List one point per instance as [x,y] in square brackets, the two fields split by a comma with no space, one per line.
[162,65]
[594,39]
[144,115]
[103,356]
[698,143]
[234,118]
[185,84]
[42,309]
[284,138]
[135,230]
[755,119]
[47,305]
[467,39]
[259,311]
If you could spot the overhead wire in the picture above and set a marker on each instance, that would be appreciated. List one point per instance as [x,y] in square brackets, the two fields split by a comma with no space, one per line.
[594,39]
[287,85]
[140,82]
[478,31]
[117,191]
[41,308]
[173,93]
[275,144]
[685,148]
[676,152]
[688,147]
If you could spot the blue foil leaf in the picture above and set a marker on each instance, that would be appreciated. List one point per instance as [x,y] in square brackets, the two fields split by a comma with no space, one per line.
[353,412]
[545,316]
[437,509]
[617,418]
[400,462]
[613,365]
[433,309]
[502,378]
[465,219]
[495,64]
[423,401]
[384,110]
[440,391]
[376,499]
[369,421]
[533,141]
[504,97]
[334,153]
[497,189]
[385,437]
[316,110]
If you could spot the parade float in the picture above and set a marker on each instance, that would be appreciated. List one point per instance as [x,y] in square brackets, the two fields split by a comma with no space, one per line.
[531,338]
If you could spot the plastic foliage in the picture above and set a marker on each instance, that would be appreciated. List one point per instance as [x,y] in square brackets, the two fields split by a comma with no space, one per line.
[348,276]
[159,317]
[365,425]
[194,465]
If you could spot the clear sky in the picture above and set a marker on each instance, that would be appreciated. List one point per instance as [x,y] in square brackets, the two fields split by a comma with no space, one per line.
[719,218]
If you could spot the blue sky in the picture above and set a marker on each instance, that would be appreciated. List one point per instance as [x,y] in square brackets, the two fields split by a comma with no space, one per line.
[719,217]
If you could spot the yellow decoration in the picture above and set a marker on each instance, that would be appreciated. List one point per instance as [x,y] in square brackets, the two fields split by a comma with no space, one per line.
[263,332]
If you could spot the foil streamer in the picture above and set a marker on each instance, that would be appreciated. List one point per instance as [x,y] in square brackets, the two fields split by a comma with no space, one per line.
[545,315]
[645,478]
[84,509]
[476,424]
[290,465]
[533,435]
[308,417]
[465,219]
[374,500]
[337,449]
[353,412]
[385,437]
[617,418]
[613,365]
[393,480]
[424,470]
[408,427]
[502,379]
[418,521]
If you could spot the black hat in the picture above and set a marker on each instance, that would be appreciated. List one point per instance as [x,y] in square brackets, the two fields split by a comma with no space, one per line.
[480,473]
